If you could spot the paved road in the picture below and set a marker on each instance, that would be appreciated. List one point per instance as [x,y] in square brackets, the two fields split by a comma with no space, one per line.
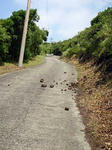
[33,117]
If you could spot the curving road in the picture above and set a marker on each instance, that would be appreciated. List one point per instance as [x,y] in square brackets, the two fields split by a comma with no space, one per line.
[34,117]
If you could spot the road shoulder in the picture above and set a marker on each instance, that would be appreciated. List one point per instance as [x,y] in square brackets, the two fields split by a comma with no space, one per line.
[94,102]
[12,67]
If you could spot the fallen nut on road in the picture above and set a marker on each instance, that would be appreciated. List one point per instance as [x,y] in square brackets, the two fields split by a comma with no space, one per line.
[66,108]
[43,85]
[41,80]
[51,86]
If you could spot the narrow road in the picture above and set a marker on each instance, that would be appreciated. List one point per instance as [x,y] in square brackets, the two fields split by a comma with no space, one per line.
[34,117]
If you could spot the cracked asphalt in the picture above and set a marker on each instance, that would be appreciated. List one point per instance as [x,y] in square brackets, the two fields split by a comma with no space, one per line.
[34,117]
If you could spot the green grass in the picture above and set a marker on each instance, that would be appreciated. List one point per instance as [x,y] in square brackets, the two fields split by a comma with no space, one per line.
[35,61]
[10,67]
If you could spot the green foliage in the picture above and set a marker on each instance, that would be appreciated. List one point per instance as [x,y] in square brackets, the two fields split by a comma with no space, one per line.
[71,51]
[45,48]
[94,42]
[11,30]
[4,44]
[56,50]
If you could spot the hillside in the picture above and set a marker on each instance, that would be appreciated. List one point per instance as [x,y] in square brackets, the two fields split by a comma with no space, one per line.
[91,53]
[94,43]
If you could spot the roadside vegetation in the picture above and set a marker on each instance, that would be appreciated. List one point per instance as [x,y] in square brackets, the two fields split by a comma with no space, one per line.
[91,52]
[94,100]
[94,43]
[11,30]
[10,67]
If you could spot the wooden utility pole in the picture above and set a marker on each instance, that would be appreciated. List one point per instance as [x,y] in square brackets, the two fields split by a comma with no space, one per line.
[24,34]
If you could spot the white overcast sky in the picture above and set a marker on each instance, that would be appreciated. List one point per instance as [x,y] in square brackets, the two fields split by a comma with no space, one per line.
[65,18]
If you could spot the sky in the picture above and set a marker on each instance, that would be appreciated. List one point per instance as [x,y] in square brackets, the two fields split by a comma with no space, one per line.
[63,18]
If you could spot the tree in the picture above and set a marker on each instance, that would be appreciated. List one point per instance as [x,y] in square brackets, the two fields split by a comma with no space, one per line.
[35,36]
[4,44]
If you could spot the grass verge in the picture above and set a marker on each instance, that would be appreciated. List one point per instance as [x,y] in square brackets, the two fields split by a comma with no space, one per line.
[10,67]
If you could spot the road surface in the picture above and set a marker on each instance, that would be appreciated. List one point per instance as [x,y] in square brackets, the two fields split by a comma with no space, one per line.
[34,117]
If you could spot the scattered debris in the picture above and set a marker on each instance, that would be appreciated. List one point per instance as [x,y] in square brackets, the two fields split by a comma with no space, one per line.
[66,109]
[69,88]
[51,86]
[41,80]
[90,91]
[64,81]
[85,77]
[43,85]
[74,84]
[110,108]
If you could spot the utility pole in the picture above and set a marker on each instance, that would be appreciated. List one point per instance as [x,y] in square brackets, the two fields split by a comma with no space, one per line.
[24,34]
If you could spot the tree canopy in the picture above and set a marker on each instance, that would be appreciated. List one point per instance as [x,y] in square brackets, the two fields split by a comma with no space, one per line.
[11,30]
